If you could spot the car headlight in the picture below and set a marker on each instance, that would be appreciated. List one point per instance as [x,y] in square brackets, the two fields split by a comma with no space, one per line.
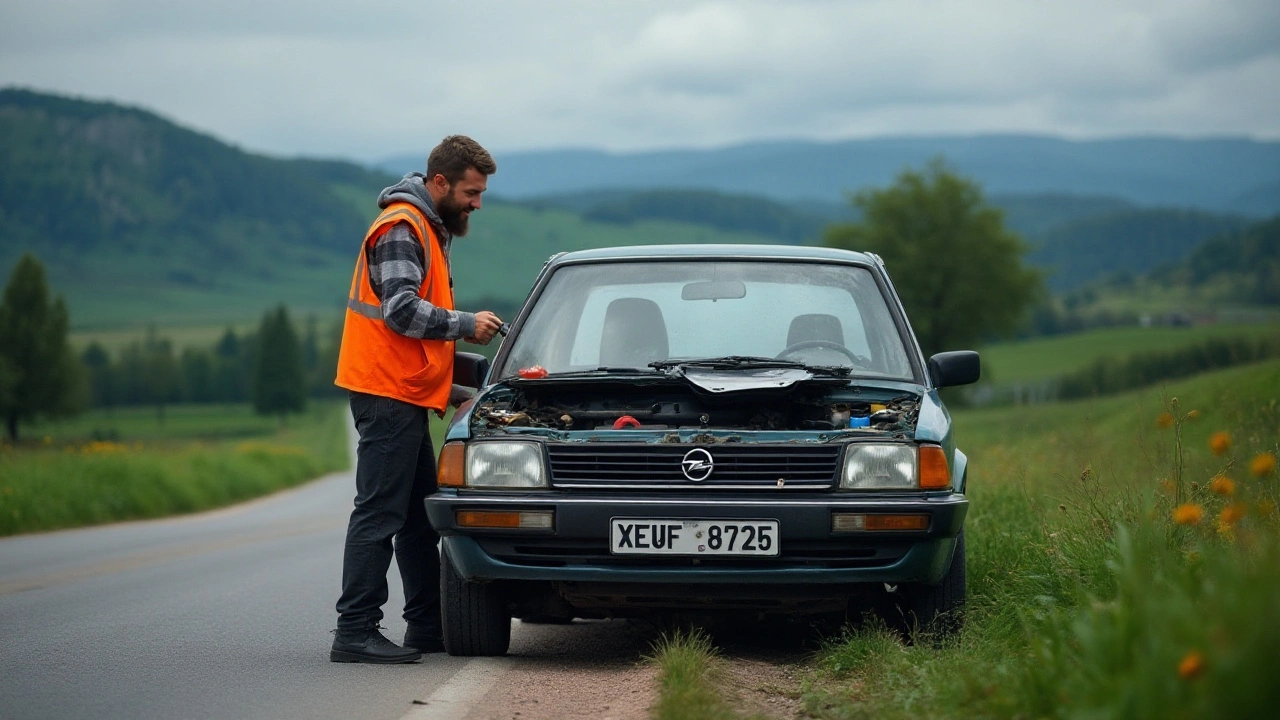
[879,467]
[505,465]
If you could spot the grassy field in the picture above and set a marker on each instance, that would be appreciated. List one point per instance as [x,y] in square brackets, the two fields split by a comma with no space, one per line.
[114,296]
[1046,358]
[126,465]
[1122,560]
[113,340]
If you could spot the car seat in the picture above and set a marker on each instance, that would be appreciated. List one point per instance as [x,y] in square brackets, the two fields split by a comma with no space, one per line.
[815,326]
[634,335]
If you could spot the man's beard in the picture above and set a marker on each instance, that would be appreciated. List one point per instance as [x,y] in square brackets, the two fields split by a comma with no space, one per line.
[452,216]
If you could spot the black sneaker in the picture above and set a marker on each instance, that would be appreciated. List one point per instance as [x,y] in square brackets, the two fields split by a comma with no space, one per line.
[428,641]
[370,647]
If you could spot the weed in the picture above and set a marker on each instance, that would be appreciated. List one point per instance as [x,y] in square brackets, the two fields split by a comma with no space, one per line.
[687,672]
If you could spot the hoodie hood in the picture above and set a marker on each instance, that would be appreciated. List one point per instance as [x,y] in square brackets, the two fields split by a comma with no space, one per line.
[412,189]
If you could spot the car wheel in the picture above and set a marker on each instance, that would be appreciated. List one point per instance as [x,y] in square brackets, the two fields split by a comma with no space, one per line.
[935,609]
[476,618]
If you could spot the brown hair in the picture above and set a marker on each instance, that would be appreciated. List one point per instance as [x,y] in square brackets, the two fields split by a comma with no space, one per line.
[454,155]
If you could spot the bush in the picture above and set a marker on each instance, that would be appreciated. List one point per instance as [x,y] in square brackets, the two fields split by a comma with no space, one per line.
[1110,374]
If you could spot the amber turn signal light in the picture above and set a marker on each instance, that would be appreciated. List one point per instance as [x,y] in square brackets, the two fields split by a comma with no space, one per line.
[451,469]
[934,473]
[860,522]
[897,522]
[537,520]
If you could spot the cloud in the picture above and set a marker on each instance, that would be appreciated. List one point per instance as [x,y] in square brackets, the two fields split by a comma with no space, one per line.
[376,78]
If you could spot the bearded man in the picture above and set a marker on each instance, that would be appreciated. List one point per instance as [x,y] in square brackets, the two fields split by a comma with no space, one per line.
[396,360]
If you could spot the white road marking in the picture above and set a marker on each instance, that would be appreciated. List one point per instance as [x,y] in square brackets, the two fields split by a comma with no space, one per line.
[454,699]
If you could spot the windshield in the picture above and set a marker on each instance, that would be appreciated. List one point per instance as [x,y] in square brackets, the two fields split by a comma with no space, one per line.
[630,314]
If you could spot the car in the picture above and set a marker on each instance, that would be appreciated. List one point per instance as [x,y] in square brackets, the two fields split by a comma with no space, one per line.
[692,428]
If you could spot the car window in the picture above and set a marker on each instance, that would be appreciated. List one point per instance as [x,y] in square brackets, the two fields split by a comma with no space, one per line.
[630,314]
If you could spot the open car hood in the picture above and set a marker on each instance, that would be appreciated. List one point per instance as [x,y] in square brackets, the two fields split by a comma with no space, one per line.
[722,381]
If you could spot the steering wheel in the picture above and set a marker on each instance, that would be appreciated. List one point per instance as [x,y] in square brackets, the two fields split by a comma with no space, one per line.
[819,344]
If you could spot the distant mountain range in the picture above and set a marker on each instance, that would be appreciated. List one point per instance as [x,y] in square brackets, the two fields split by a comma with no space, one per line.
[1221,175]
[141,221]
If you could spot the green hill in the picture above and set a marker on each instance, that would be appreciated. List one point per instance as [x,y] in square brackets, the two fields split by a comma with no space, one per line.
[140,221]
[1132,241]
[1077,239]
[1243,266]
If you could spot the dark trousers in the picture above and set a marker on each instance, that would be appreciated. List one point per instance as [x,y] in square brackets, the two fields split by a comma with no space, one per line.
[395,471]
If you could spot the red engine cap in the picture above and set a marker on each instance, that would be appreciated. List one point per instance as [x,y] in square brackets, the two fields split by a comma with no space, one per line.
[532,373]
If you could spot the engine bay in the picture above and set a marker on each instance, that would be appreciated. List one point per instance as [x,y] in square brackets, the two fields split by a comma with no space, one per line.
[622,405]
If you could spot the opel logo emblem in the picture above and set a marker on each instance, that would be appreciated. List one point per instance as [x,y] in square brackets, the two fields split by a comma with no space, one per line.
[697,464]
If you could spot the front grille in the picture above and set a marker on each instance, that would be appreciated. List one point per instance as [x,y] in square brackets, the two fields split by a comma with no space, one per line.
[564,552]
[659,466]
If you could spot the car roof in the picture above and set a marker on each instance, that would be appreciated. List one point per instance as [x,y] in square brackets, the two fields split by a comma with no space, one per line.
[725,251]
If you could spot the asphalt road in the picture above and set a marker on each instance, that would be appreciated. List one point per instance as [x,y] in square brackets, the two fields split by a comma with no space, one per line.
[220,615]
[228,615]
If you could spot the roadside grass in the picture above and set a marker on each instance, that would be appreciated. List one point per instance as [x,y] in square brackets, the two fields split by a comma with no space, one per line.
[688,673]
[1110,573]
[179,423]
[1051,357]
[200,458]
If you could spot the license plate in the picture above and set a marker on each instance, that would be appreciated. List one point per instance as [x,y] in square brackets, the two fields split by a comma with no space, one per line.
[659,536]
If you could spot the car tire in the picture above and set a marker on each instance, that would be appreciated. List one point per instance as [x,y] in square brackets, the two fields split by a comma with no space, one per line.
[476,618]
[936,610]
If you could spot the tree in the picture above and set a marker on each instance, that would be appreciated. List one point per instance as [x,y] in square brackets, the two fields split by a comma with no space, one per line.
[197,375]
[8,381]
[102,376]
[44,376]
[162,372]
[228,368]
[279,381]
[958,270]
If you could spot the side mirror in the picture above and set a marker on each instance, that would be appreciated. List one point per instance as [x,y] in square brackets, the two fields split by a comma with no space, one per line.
[470,369]
[959,367]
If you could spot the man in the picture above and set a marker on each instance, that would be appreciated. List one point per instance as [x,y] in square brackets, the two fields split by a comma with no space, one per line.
[396,360]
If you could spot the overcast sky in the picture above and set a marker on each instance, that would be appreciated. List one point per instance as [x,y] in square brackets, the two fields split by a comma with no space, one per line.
[365,79]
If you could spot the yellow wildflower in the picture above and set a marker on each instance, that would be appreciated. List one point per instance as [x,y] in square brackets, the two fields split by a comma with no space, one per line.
[1164,420]
[1188,514]
[1192,666]
[1219,443]
[1263,464]
[1223,485]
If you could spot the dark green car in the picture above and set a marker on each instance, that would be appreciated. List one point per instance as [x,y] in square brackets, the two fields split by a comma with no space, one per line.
[671,428]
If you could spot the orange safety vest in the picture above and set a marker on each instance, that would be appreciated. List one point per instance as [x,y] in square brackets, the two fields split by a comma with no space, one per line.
[374,358]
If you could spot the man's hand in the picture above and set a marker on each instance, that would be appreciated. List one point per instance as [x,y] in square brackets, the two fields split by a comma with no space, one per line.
[487,325]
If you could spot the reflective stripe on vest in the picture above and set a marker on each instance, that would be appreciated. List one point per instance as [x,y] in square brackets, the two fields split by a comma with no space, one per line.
[376,360]
[388,218]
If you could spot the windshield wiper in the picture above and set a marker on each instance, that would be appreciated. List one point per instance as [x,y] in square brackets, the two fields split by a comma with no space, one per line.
[752,362]
[601,371]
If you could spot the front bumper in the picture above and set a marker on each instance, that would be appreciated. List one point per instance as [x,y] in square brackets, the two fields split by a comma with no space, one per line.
[577,548]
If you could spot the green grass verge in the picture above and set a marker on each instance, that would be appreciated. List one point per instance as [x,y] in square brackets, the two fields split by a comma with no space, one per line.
[687,673]
[1086,598]
[1048,358]
[200,458]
